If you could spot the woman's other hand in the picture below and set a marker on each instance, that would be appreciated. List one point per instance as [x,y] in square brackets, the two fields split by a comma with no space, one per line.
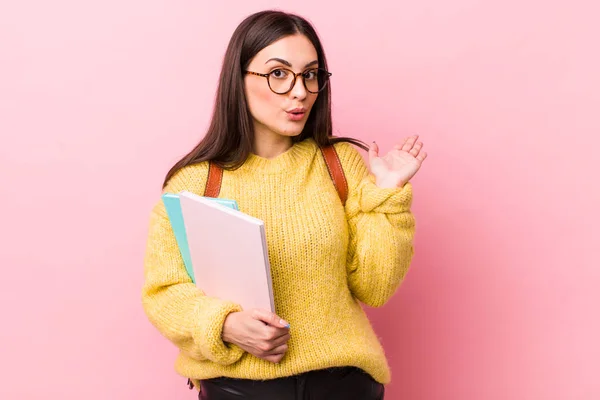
[399,165]
[259,332]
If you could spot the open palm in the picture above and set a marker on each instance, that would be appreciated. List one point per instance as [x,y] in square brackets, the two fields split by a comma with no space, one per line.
[399,165]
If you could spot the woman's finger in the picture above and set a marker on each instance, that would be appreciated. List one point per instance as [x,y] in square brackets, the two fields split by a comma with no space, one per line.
[416,149]
[400,145]
[273,358]
[410,142]
[272,333]
[269,318]
[280,340]
[277,350]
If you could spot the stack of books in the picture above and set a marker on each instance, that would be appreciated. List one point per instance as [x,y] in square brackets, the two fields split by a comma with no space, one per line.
[224,250]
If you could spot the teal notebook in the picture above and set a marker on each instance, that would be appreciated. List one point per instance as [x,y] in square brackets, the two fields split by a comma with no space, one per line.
[173,207]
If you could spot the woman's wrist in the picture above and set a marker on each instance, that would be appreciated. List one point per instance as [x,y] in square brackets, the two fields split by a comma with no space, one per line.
[388,184]
[227,324]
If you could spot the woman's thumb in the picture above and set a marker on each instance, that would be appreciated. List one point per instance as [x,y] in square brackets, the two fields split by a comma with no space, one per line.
[373,151]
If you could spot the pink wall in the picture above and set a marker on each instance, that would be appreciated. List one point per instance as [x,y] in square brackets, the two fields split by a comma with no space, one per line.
[98,99]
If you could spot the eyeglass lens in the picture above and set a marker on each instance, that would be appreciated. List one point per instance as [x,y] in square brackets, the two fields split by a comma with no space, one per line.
[281,80]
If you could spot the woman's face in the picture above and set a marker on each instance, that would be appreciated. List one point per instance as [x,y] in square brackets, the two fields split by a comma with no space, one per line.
[281,114]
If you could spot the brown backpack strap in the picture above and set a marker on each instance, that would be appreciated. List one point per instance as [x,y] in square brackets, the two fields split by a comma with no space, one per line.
[336,171]
[332,160]
[213,184]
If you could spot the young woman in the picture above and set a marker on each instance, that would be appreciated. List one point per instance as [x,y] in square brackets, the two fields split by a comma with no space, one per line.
[331,248]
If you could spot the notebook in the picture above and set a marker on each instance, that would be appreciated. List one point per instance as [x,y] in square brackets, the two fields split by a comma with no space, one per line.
[173,207]
[228,252]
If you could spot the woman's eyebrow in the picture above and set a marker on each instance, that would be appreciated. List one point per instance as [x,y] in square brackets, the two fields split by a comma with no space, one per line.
[282,61]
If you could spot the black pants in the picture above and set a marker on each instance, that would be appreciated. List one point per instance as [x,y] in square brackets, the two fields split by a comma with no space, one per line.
[347,383]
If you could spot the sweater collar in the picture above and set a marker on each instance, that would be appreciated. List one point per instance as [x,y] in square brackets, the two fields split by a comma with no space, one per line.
[286,161]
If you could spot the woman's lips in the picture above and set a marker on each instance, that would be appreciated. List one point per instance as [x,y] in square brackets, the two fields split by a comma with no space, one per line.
[296,114]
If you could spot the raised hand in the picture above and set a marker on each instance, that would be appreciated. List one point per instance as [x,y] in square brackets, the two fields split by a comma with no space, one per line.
[399,165]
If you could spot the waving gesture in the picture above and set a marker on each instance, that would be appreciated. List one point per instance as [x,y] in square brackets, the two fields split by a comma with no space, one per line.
[399,165]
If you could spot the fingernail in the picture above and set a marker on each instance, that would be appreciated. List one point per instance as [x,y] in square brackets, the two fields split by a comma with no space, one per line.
[282,322]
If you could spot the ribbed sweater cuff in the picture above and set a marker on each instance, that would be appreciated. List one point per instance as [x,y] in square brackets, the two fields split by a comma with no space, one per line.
[209,317]
[372,198]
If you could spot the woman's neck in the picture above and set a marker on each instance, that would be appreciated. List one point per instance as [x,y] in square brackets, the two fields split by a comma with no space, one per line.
[270,145]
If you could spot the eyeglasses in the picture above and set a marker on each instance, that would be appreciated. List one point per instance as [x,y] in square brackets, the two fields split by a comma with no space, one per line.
[282,80]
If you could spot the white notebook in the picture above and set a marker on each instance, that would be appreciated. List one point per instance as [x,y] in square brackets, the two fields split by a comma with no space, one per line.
[229,253]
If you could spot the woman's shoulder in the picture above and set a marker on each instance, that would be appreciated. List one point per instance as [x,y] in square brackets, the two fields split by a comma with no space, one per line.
[346,149]
[191,178]
[349,156]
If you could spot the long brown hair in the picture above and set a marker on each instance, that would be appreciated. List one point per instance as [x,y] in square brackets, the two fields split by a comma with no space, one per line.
[230,136]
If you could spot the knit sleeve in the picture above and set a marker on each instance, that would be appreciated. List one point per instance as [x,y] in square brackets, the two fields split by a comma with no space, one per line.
[172,302]
[381,228]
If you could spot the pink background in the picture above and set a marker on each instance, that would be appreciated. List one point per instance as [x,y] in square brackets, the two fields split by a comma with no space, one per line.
[98,99]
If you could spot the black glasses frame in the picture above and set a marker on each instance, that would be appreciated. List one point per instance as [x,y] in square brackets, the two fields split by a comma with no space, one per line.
[327,74]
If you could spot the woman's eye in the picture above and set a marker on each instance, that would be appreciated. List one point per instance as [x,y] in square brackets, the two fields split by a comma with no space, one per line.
[310,75]
[278,73]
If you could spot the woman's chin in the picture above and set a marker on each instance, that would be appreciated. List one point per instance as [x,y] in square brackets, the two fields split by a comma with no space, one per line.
[291,131]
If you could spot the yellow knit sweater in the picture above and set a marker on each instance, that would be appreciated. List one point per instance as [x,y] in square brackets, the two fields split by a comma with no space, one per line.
[325,259]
